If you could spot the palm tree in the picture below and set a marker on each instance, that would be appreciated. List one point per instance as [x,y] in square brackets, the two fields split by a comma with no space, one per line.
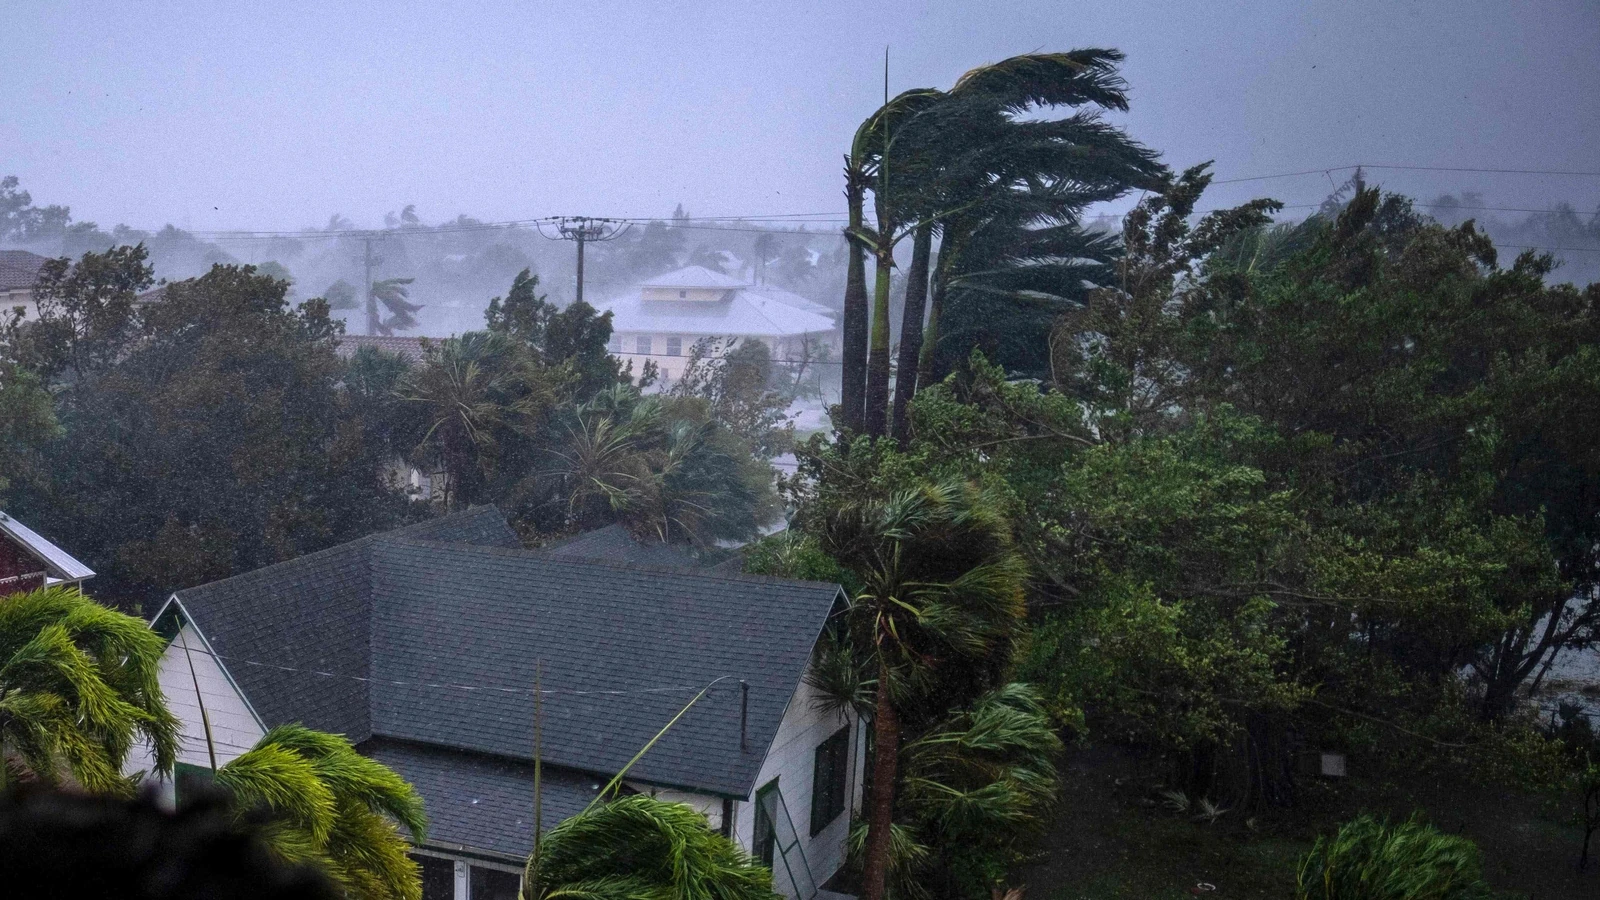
[77,689]
[395,297]
[951,161]
[941,593]
[477,395]
[640,848]
[329,806]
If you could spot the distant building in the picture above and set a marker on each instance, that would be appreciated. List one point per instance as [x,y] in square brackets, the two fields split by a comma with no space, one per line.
[19,269]
[662,319]
[29,562]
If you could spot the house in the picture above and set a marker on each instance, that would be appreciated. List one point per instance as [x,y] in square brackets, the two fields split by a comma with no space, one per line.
[423,647]
[29,562]
[410,349]
[662,319]
[19,269]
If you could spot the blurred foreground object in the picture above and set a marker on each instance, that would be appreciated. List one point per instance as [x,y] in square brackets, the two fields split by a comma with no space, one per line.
[72,845]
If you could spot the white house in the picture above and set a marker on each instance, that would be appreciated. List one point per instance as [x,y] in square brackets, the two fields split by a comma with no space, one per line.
[423,646]
[662,319]
[19,269]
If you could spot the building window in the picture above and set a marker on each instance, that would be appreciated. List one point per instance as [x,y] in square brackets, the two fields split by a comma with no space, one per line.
[493,884]
[764,839]
[615,344]
[828,784]
[642,345]
[674,346]
[189,780]
[683,295]
[438,877]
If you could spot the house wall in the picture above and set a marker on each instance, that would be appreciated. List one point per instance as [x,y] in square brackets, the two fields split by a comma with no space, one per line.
[791,760]
[23,298]
[625,346]
[234,728]
[19,570]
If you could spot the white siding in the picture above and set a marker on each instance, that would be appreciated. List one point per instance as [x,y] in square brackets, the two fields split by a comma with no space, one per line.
[234,728]
[791,760]
[706,804]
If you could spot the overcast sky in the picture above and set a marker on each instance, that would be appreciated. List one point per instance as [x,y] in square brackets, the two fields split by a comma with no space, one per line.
[219,115]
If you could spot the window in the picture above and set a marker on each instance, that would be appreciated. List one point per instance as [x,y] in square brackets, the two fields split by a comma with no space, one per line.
[438,877]
[493,884]
[674,346]
[682,295]
[764,839]
[828,780]
[642,344]
[615,344]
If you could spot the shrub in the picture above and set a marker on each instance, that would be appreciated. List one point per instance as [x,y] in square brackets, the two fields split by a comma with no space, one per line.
[1373,860]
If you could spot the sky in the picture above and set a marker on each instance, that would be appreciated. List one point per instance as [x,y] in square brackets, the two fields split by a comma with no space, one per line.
[216,115]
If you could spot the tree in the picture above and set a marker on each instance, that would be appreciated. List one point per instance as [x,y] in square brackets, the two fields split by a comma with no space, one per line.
[394,295]
[637,846]
[329,806]
[78,689]
[219,437]
[27,419]
[930,155]
[940,598]
[576,336]
[478,398]
[735,380]
[86,311]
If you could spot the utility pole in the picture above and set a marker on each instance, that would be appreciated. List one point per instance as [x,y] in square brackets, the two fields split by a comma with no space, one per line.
[584,230]
[369,263]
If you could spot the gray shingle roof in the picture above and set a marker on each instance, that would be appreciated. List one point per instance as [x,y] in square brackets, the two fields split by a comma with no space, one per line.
[613,543]
[449,621]
[313,614]
[409,348]
[480,801]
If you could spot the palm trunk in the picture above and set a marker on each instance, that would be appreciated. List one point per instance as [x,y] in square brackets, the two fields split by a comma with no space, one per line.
[878,357]
[880,814]
[853,378]
[930,334]
[905,382]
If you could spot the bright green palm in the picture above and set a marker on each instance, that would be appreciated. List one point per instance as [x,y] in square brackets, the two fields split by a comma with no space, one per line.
[332,807]
[78,688]
[640,848]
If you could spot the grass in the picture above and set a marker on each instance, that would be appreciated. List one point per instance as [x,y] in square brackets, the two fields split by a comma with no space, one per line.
[1113,838]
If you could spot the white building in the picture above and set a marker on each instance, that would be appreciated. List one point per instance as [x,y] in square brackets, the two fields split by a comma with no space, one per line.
[662,319]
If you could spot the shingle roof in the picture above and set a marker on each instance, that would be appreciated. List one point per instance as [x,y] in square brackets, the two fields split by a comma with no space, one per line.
[58,562]
[410,349]
[613,543]
[450,624]
[483,802]
[313,614]
[19,269]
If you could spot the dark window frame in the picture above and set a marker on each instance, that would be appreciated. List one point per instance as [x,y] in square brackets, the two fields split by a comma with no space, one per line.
[763,846]
[830,780]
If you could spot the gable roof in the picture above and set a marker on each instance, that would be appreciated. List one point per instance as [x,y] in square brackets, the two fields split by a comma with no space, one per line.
[615,544]
[58,563]
[432,636]
[313,614]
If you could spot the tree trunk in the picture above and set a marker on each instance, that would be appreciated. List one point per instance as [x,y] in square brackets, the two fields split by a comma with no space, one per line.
[880,811]
[930,334]
[905,381]
[878,357]
[853,377]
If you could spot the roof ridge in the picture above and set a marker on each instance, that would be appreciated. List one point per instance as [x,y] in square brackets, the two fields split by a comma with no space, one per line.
[540,554]
[353,543]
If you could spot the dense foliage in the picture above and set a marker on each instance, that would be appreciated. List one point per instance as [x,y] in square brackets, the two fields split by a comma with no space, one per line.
[1373,860]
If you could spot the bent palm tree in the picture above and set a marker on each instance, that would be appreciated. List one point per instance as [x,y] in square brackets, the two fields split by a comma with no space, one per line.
[395,297]
[77,689]
[639,847]
[942,589]
[330,806]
